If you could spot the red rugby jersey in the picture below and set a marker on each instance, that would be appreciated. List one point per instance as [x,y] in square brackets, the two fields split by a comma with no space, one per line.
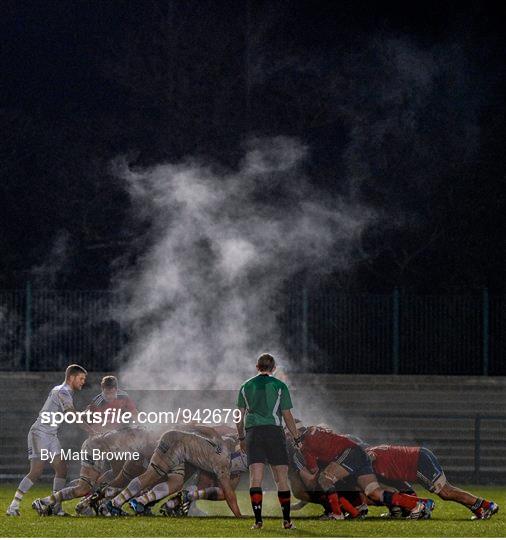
[395,462]
[321,446]
[122,401]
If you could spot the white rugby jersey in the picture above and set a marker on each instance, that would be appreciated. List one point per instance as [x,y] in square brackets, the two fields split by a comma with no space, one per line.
[60,399]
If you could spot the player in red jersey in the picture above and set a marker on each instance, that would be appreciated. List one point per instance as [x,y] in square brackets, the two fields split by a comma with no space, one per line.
[329,458]
[112,398]
[418,464]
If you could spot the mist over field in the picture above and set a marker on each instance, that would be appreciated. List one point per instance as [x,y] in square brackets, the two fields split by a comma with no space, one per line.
[204,296]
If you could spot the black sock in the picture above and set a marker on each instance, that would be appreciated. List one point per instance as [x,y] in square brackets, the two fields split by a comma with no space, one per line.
[284,501]
[255,494]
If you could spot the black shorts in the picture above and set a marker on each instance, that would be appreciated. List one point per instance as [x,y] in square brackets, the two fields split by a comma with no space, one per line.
[355,461]
[429,471]
[266,444]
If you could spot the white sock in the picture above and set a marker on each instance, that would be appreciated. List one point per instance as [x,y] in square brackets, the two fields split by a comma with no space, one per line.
[161,490]
[58,483]
[23,487]
[130,491]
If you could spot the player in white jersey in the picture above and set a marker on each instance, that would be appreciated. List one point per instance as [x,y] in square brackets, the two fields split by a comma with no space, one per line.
[124,442]
[43,436]
[174,449]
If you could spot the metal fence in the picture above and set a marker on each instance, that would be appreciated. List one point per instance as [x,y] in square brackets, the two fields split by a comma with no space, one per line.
[335,332]
[329,332]
[42,330]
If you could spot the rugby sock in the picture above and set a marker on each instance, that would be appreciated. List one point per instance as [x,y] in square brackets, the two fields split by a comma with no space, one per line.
[399,499]
[65,494]
[284,501]
[23,487]
[333,501]
[320,497]
[130,491]
[211,494]
[348,507]
[158,492]
[58,483]
[255,494]
[477,504]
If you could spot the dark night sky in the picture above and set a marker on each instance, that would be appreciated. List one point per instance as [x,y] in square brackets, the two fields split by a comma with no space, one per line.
[413,94]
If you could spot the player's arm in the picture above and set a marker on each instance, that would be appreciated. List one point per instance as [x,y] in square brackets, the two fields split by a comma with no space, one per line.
[290,424]
[240,429]
[67,404]
[306,464]
[286,406]
[229,495]
[308,478]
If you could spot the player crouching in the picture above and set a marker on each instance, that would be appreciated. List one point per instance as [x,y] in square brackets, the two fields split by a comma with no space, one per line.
[330,458]
[418,464]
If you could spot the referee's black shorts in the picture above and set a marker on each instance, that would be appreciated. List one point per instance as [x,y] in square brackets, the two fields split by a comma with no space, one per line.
[266,444]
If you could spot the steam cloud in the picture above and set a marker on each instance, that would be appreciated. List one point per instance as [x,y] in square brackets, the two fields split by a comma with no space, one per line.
[203,299]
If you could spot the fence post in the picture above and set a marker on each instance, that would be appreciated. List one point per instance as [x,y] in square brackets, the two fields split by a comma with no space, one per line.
[477,448]
[486,331]
[304,325]
[28,325]
[395,330]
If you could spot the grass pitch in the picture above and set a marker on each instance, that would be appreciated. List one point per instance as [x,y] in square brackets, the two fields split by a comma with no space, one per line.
[449,520]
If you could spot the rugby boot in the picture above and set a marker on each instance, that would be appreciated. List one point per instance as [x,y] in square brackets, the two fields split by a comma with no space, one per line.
[41,508]
[486,510]
[13,510]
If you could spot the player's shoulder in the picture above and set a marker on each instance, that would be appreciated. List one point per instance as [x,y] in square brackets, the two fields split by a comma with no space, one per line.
[97,400]
[62,389]
[249,382]
[279,383]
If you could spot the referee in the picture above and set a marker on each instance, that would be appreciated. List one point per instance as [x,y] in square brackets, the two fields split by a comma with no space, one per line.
[264,401]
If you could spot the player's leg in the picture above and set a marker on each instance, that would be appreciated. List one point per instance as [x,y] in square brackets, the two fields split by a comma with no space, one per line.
[163,460]
[481,508]
[36,441]
[146,480]
[256,452]
[60,479]
[280,474]
[256,476]
[415,506]
[207,488]
[432,477]
[76,489]
[277,457]
[36,470]
[175,506]
[328,477]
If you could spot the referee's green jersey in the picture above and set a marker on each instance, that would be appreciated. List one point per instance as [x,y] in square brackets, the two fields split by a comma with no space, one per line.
[264,397]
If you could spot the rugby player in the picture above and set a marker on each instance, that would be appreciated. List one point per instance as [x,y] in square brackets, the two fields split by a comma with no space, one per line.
[330,458]
[418,464]
[352,502]
[43,436]
[96,471]
[112,398]
[206,485]
[264,402]
[174,450]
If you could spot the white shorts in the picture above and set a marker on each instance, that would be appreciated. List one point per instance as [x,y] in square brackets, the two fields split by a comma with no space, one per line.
[38,440]
[98,465]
